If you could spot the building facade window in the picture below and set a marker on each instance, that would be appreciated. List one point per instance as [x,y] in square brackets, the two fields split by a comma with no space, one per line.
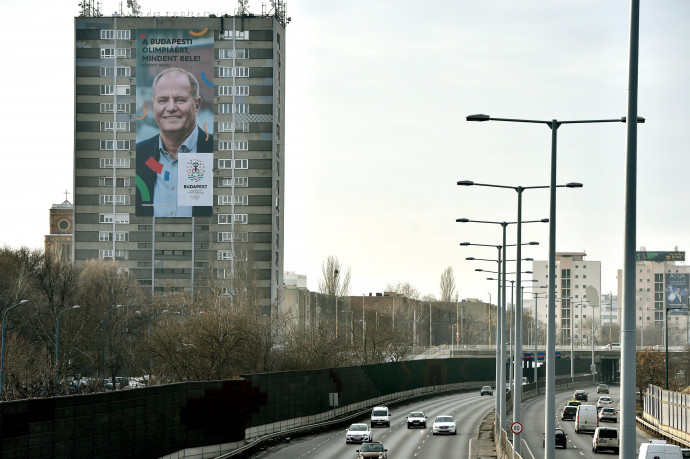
[120,199]
[120,163]
[109,90]
[122,53]
[108,181]
[232,127]
[239,53]
[238,200]
[110,34]
[106,236]
[121,71]
[108,108]
[120,126]
[120,144]
[227,219]
[240,182]
[229,236]
[108,218]
[228,164]
[237,34]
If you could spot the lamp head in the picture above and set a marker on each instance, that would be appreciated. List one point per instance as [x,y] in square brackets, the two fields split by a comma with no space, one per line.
[478,117]
[462,220]
[23,301]
[76,306]
[478,269]
[465,243]
[544,220]
[465,183]
[640,119]
[469,258]
[573,185]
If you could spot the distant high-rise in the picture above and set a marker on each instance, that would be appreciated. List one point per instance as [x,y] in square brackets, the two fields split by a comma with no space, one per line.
[197,215]
[574,275]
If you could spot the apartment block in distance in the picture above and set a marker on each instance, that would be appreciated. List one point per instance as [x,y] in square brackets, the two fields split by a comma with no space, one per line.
[574,275]
[214,211]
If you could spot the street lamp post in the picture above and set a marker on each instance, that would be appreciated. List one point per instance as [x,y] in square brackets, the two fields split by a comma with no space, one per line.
[150,318]
[550,406]
[666,337]
[105,318]
[517,397]
[57,342]
[2,346]
[536,331]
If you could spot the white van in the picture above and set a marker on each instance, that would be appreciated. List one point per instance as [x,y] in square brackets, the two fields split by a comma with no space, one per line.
[605,438]
[586,418]
[380,415]
[659,449]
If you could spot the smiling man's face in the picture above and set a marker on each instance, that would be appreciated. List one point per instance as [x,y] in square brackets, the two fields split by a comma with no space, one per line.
[174,105]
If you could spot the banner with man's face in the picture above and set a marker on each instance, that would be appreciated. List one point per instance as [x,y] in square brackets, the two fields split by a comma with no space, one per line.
[174,117]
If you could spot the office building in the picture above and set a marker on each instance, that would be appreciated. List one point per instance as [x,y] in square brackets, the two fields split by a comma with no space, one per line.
[220,219]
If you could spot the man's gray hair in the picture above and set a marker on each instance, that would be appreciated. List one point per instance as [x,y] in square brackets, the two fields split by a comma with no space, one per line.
[193,82]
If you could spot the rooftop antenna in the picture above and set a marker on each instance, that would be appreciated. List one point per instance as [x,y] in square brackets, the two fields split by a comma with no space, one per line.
[242,9]
[279,11]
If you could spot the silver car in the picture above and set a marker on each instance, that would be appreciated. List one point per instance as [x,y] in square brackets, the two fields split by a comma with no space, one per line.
[444,425]
[358,433]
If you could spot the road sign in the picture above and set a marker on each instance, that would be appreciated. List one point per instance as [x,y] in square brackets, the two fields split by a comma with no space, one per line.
[516,428]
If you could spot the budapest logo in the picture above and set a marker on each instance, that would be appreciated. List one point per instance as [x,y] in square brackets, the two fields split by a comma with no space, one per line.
[195,170]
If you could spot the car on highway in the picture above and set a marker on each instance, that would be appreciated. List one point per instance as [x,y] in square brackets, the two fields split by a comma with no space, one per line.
[561,438]
[574,403]
[486,390]
[568,413]
[580,395]
[604,402]
[416,419]
[602,389]
[373,449]
[605,438]
[358,433]
[444,425]
[380,415]
[608,414]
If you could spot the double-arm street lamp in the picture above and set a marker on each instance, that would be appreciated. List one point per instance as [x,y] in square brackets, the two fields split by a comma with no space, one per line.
[550,406]
[501,338]
[57,343]
[517,398]
[2,350]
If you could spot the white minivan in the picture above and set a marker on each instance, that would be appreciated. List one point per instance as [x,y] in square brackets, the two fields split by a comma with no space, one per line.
[659,449]
[380,416]
[586,418]
[605,438]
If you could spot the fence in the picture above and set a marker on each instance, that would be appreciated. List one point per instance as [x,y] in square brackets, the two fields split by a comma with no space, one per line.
[668,413]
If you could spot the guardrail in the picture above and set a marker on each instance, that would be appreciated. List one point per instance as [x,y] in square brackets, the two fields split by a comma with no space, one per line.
[667,413]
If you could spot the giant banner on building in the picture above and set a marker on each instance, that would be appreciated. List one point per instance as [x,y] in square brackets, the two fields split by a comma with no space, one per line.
[174,103]
[676,292]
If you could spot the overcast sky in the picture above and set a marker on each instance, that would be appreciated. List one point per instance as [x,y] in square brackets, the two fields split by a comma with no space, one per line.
[376,138]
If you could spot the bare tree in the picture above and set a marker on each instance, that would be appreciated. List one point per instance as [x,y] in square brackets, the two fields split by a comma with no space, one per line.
[334,282]
[405,289]
[447,285]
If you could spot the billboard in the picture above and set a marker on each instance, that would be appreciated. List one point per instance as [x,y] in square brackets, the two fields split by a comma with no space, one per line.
[174,123]
[659,256]
[676,292]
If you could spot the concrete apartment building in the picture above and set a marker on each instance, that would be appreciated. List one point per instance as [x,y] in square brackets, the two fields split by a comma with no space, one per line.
[661,281]
[226,221]
[574,275]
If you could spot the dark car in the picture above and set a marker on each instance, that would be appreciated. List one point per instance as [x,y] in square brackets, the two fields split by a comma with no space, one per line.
[561,438]
[580,395]
[373,449]
[486,390]
[568,412]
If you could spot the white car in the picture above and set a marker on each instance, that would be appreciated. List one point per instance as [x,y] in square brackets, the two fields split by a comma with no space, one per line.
[444,425]
[604,402]
[416,419]
[358,433]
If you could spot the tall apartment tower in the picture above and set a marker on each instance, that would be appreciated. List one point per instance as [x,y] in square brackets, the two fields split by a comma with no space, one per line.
[662,283]
[574,275]
[213,212]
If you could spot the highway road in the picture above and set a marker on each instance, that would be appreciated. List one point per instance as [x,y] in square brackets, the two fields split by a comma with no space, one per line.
[469,409]
[579,445]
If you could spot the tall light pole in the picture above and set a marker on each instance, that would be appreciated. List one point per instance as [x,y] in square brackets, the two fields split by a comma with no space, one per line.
[517,398]
[105,318]
[536,331]
[550,406]
[57,343]
[150,318]
[2,350]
